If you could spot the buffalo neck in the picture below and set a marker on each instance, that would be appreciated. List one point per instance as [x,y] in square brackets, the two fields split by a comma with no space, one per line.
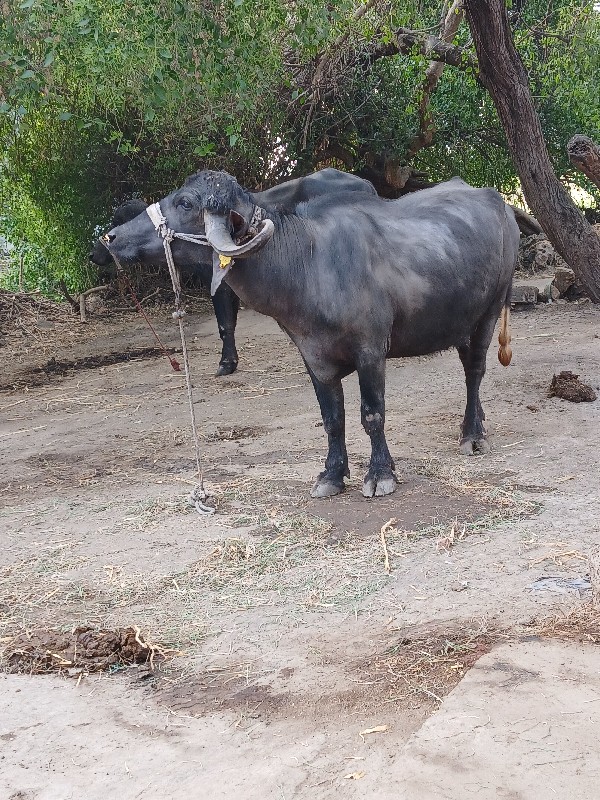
[276,281]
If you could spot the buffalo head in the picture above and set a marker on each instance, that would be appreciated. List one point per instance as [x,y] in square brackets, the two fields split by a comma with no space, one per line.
[124,213]
[209,203]
[234,225]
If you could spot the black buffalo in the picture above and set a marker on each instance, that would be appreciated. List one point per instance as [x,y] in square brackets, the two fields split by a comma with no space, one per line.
[197,259]
[225,301]
[353,280]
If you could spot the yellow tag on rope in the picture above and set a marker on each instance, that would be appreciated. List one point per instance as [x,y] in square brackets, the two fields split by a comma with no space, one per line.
[224,261]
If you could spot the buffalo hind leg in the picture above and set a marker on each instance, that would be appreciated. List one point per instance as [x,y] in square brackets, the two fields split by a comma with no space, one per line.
[226,304]
[473,439]
[331,402]
[380,479]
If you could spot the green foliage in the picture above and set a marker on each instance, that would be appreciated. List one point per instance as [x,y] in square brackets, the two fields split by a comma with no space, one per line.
[103,98]
[559,41]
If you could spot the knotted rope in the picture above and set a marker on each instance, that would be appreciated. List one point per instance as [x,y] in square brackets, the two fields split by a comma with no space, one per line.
[198,495]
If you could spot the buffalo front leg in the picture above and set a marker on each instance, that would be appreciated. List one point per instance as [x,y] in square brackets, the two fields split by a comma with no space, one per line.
[473,439]
[226,304]
[331,402]
[380,479]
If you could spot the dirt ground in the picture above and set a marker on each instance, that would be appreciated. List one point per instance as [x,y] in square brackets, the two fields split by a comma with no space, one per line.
[286,638]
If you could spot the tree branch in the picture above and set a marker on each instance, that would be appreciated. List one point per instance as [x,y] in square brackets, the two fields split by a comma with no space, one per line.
[407,42]
[404,42]
[451,19]
[82,297]
[63,288]
[584,154]
[323,63]
[335,152]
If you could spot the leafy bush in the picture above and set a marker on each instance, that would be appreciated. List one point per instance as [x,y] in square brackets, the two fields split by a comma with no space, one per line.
[102,99]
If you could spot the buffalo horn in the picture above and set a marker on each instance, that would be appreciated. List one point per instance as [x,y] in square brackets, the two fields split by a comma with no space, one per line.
[220,239]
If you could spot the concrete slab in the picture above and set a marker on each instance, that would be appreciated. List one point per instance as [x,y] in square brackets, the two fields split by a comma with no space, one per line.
[524,724]
[540,281]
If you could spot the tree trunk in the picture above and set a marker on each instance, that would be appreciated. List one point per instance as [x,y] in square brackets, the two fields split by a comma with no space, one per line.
[584,154]
[504,76]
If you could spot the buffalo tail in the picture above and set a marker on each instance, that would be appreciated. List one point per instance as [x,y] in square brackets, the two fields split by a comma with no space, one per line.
[504,338]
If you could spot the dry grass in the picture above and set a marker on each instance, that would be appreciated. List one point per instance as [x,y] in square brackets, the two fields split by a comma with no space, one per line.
[113,599]
[580,624]
[457,477]
[506,504]
[35,324]
[150,512]
[22,311]
[240,563]
[449,534]
[60,589]
[560,556]
[430,665]
[283,558]
[272,556]
[292,560]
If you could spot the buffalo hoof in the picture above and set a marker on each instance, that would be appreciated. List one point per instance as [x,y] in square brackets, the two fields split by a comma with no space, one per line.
[474,447]
[226,368]
[380,483]
[326,486]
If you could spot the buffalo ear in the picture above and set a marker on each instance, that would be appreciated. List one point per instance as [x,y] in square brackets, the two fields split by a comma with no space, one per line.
[238,224]
[219,272]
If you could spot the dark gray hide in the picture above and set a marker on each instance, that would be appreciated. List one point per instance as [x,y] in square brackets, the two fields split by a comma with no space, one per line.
[354,280]
[199,260]
[124,213]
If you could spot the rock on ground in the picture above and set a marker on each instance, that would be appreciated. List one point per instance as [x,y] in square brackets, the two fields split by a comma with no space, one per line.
[536,255]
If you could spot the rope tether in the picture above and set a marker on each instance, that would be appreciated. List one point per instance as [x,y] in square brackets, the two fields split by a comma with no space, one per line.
[199,495]
[173,361]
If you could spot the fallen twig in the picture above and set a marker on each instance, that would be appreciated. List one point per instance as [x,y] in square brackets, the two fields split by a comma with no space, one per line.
[65,292]
[82,297]
[388,525]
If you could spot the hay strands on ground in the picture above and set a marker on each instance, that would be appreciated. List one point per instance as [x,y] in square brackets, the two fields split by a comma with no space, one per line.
[82,651]
[389,526]
[23,309]
[432,663]
[560,557]
[456,534]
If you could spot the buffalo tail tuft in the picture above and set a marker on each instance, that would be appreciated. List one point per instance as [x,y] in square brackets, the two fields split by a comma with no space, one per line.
[504,338]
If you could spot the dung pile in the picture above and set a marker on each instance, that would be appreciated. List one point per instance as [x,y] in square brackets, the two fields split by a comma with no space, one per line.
[569,387]
[85,649]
